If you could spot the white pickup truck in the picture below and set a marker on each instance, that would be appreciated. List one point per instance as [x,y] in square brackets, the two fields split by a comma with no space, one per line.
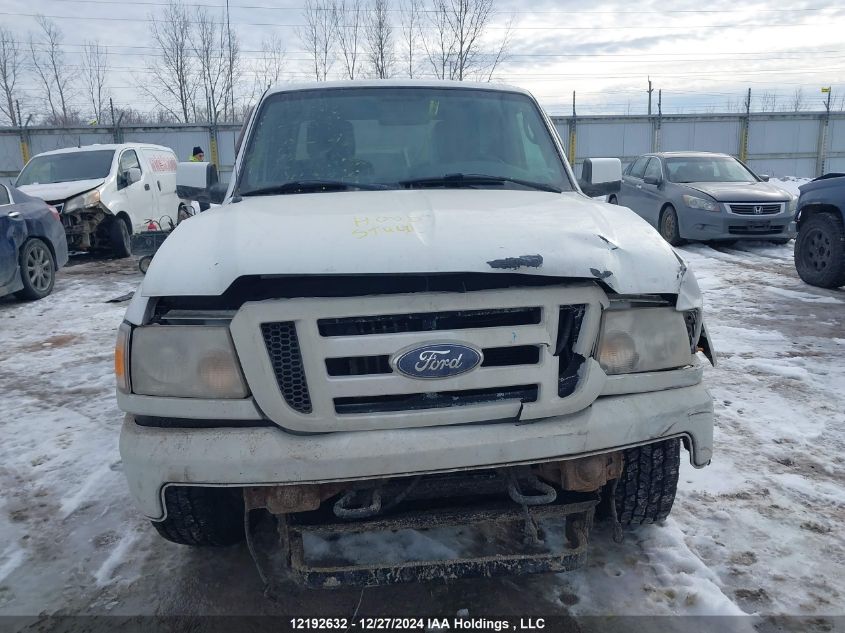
[408,313]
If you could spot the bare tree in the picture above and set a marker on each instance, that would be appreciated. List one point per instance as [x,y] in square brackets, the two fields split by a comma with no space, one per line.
[174,83]
[234,71]
[439,45]
[209,47]
[797,102]
[53,74]
[350,24]
[271,64]
[94,67]
[768,101]
[380,48]
[319,34]
[11,69]
[410,18]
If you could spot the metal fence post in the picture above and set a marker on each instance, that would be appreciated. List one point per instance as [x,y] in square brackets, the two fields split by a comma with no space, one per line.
[212,142]
[821,150]
[744,127]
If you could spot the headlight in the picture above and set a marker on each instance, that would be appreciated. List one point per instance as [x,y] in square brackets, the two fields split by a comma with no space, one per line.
[700,203]
[643,339]
[792,205]
[185,361]
[82,201]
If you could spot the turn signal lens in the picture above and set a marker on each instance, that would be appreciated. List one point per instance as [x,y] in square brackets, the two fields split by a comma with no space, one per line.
[121,357]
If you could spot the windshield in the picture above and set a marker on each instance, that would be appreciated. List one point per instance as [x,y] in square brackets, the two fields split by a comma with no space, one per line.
[67,167]
[708,169]
[394,137]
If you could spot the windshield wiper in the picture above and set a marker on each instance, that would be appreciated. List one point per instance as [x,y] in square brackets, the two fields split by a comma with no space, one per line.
[297,186]
[474,179]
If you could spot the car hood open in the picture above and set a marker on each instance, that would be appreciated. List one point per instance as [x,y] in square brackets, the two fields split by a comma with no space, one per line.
[60,191]
[741,191]
[414,231]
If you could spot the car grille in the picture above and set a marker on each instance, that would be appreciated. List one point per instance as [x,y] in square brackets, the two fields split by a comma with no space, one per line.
[756,230]
[756,208]
[351,381]
[283,348]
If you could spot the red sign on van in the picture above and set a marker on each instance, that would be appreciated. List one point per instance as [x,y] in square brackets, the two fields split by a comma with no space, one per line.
[163,162]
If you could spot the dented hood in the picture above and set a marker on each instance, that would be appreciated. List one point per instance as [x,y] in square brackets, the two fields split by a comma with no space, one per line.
[414,231]
[60,191]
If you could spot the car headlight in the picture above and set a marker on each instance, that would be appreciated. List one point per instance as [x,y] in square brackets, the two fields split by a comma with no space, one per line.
[643,339]
[82,201]
[792,205]
[700,203]
[185,361]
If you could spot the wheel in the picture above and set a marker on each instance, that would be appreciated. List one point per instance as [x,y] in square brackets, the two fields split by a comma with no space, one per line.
[612,200]
[38,270]
[144,263]
[646,490]
[669,226]
[183,214]
[203,517]
[119,236]
[820,251]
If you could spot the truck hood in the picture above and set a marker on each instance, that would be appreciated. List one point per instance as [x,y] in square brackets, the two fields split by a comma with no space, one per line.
[415,231]
[60,191]
[741,191]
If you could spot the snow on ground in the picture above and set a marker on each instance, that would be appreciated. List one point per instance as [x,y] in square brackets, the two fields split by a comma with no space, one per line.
[790,183]
[760,531]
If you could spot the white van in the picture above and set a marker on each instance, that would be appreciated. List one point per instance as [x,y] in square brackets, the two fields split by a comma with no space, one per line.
[95,186]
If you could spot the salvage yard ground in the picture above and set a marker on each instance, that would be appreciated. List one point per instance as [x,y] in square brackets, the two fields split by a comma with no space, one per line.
[759,531]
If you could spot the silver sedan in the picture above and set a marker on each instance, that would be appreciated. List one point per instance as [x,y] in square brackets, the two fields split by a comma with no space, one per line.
[704,196]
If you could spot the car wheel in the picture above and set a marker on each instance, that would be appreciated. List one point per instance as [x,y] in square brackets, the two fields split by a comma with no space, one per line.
[669,226]
[612,200]
[202,517]
[820,251]
[38,270]
[646,490]
[144,263]
[119,236]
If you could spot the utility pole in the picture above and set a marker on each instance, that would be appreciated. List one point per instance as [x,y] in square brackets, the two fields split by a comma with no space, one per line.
[746,123]
[572,134]
[231,62]
[821,154]
[650,90]
[659,120]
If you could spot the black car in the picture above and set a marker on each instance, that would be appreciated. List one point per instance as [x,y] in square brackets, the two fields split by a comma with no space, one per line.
[32,245]
[820,245]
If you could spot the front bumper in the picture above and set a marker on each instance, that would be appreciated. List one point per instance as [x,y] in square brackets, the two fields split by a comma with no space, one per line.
[696,224]
[154,457]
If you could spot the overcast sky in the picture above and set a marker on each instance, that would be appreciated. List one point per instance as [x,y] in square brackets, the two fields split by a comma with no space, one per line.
[702,55]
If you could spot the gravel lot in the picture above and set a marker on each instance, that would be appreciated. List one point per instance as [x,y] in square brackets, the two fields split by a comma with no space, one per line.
[759,531]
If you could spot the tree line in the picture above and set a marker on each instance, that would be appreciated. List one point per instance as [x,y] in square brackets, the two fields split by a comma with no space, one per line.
[199,72]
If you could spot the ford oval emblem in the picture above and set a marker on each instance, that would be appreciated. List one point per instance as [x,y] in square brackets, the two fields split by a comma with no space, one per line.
[438,361]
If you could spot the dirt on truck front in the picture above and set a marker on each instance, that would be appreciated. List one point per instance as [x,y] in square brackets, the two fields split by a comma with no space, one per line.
[407,315]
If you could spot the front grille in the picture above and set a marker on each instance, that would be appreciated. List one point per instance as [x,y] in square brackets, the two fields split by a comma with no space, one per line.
[283,348]
[756,230]
[434,400]
[755,209]
[373,365]
[428,321]
[691,320]
[569,328]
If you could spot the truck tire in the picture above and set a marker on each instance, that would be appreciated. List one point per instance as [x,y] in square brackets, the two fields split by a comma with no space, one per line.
[38,270]
[820,251]
[202,517]
[119,238]
[646,490]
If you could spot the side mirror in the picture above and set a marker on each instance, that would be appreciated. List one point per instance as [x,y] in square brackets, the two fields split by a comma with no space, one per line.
[652,180]
[764,177]
[601,176]
[194,181]
[133,175]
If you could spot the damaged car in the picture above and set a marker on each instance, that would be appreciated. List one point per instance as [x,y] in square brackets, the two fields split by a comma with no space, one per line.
[397,320]
[105,193]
